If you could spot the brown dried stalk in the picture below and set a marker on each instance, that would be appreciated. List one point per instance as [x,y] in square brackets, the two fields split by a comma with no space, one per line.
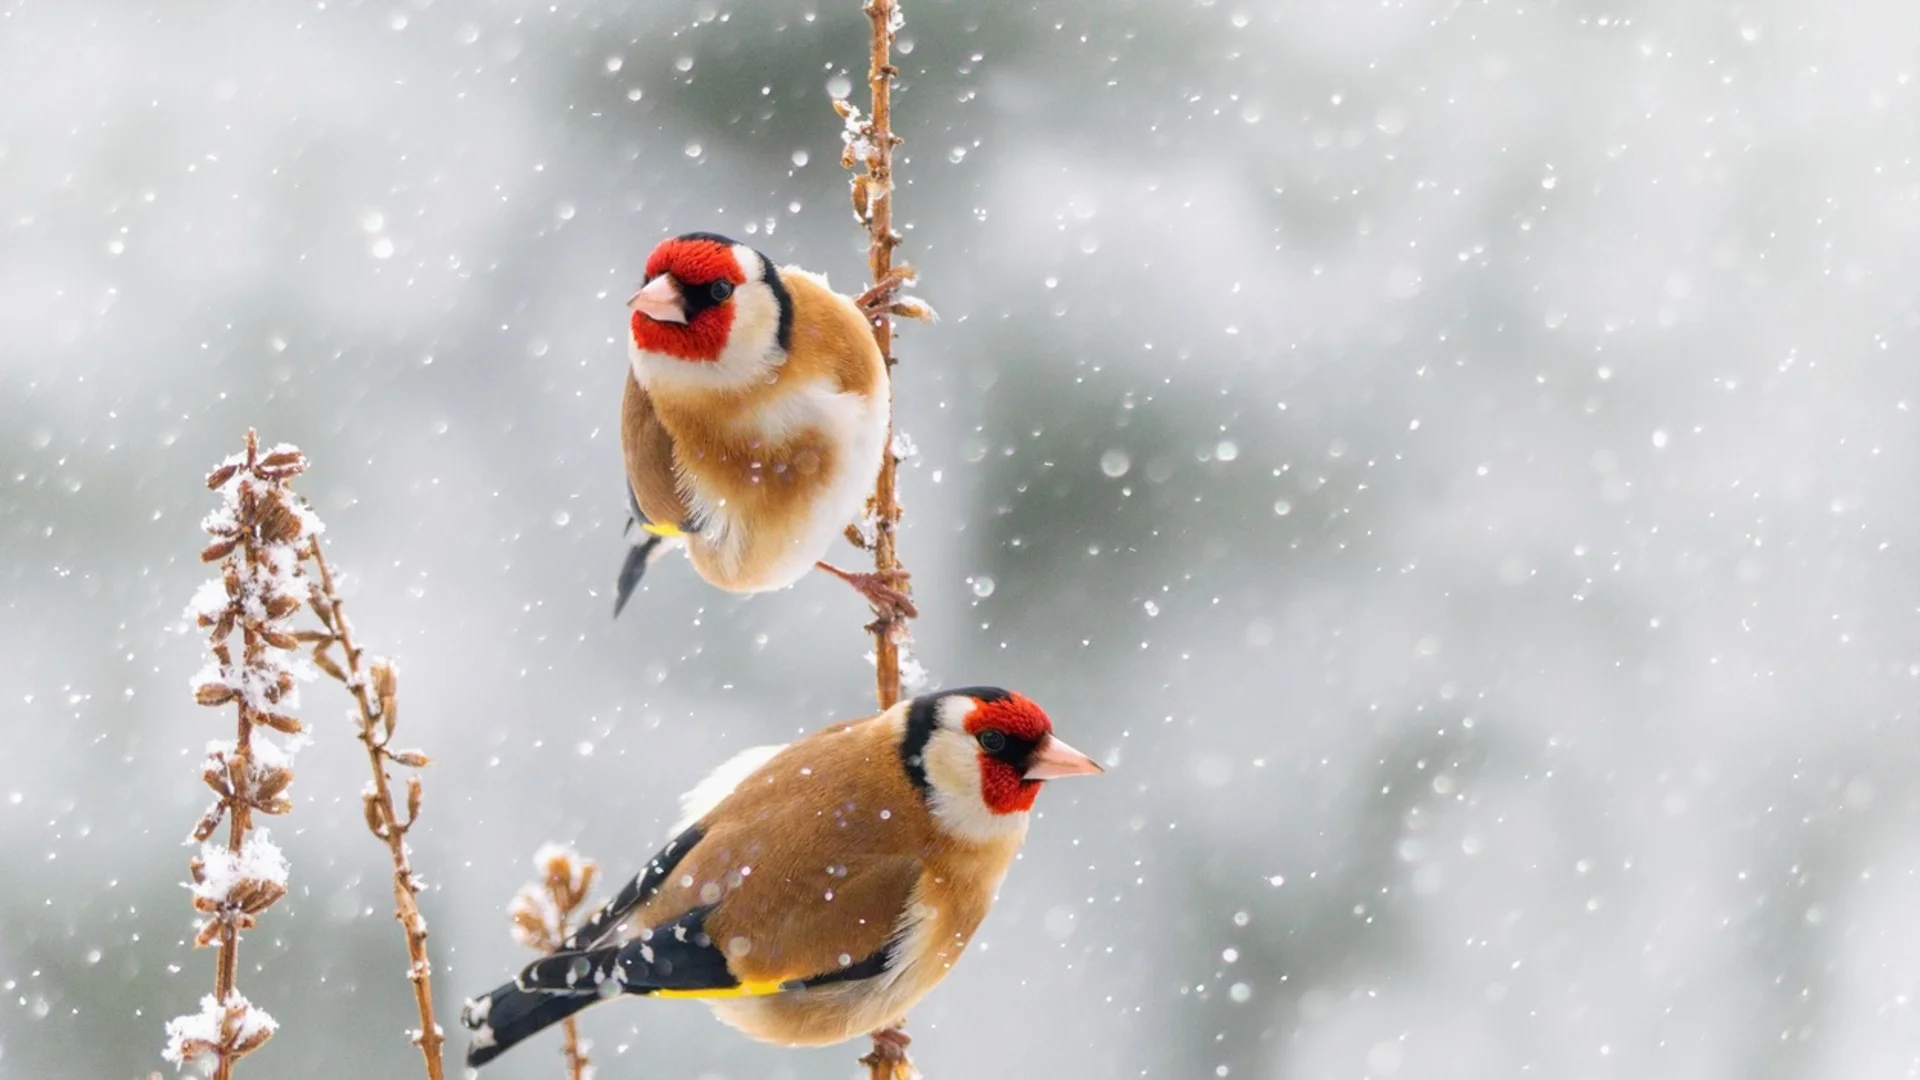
[374,686]
[870,142]
[542,916]
[257,537]
[869,145]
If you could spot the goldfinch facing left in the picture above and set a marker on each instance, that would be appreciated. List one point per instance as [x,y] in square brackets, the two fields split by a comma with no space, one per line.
[813,892]
[754,418]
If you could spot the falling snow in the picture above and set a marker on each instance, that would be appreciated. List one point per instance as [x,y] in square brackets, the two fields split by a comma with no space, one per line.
[1453,461]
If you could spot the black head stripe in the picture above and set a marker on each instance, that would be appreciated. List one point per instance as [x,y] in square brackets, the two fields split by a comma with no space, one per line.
[781,298]
[978,693]
[713,238]
[922,717]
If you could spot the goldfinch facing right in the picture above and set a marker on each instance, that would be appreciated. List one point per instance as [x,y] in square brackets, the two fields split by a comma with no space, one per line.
[813,892]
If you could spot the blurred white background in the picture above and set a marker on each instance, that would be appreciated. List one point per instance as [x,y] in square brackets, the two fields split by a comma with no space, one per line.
[1458,460]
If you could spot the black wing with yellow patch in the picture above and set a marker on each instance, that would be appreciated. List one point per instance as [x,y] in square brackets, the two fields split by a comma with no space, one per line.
[677,960]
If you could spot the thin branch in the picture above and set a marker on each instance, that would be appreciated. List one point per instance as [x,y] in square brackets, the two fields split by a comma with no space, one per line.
[870,144]
[374,685]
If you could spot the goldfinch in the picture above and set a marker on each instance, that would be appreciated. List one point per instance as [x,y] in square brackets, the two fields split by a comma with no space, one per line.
[812,892]
[754,418]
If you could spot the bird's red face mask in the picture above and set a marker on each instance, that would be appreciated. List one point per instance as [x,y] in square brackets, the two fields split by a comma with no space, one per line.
[684,310]
[1018,750]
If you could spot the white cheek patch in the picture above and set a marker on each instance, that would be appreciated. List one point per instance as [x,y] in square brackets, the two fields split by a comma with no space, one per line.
[953,786]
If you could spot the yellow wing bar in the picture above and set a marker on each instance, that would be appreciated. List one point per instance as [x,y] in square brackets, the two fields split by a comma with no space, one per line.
[746,989]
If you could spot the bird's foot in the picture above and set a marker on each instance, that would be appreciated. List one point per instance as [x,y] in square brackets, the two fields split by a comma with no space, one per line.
[880,588]
[884,297]
[889,1060]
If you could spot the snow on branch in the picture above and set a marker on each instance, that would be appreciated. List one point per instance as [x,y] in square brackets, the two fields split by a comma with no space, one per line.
[259,532]
[266,539]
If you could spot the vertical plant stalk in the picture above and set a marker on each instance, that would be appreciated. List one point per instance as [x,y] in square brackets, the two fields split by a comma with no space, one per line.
[542,916]
[870,143]
[374,686]
[258,533]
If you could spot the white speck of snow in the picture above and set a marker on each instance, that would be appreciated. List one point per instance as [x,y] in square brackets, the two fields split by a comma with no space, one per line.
[1115,463]
[1060,921]
[982,585]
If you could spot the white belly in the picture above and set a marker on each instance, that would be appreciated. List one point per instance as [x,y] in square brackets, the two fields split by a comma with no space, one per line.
[858,427]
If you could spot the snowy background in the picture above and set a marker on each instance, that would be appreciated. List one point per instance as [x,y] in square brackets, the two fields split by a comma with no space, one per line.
[1457,460]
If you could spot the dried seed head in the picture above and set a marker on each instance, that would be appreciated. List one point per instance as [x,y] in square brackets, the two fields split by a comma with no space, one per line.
[285,463]
[860,207]
[277,524]
[209,822]
[912,307]
[271,784]
[213,693]
[384,681]
[376,820]
[325,662]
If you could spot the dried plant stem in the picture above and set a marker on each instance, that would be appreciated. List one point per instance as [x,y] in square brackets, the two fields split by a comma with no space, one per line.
[373,685]
[869,153]
[882,241]
[257,534]
[579,1066]
[871,144]
[542,916]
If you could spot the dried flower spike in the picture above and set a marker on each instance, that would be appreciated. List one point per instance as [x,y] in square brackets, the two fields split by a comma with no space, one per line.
[259,534]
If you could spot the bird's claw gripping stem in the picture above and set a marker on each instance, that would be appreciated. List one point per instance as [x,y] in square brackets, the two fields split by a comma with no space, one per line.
[880,589]
[889,1057]
[878,300]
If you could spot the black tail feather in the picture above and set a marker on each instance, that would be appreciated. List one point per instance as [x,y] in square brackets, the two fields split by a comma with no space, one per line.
[508,1015]
[639,557]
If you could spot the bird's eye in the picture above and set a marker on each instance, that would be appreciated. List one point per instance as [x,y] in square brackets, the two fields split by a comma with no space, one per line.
[720,290]
[992,741]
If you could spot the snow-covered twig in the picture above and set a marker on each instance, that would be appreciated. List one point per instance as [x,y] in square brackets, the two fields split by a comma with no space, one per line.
[258,533]
[374,685]
[542,916]
[870,143]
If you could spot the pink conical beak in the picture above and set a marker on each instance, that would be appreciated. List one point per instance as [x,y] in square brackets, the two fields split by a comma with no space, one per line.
[659,300]
[1056,759]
